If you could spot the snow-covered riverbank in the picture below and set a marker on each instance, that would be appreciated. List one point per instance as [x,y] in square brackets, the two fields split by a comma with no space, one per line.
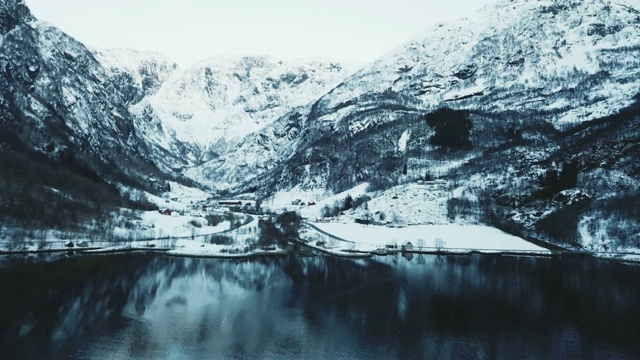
[445,238]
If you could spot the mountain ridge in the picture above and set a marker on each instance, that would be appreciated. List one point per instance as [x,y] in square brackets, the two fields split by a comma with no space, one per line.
[207,112]
[476,70]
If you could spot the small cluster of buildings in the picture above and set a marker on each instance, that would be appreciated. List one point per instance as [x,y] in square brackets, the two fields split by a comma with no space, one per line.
[434,184]
[407,246]
[299,202]
[202,209]
[169,212]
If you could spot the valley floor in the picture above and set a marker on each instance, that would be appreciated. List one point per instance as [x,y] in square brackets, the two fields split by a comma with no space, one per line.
[176,235]
[187,235]
[340,239]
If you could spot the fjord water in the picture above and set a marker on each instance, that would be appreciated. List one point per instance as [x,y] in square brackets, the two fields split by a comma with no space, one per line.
[153,306]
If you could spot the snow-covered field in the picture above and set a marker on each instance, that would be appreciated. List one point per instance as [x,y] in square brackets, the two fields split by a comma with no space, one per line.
[456,238]
[179,198]
[173,235]
[161,226]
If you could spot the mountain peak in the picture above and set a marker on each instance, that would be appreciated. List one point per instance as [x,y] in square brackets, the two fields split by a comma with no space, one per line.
[129,58]
[136,73]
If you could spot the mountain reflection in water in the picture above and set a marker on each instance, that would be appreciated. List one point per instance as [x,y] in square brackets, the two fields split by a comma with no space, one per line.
[154,306]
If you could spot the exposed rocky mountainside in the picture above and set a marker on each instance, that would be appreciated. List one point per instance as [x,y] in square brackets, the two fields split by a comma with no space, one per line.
[569,60]
[57,99]
[66,131]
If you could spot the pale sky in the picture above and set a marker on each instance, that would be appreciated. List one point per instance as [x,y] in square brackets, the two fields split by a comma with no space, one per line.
[188,31]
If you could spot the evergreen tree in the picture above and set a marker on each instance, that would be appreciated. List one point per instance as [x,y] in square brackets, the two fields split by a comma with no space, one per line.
[348,202]
[569,175]
[453,128]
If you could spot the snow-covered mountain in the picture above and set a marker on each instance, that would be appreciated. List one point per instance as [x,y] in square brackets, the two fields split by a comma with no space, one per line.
[228,98]
[555,64]
[550,89]
[212,111]
[68,144]
[572,60]
[539,66]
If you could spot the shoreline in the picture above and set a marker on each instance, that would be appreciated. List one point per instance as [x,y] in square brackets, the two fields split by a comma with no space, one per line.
[164,251]
[222,256]
[622,257]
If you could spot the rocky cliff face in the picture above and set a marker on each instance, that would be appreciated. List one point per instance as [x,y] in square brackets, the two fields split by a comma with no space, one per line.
[56,99]
[14,13]
[68,144]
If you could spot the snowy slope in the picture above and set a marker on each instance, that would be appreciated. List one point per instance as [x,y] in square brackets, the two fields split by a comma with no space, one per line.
[137,74]
[209,121]
[228,98]
[538,65]
[56,99]
[572,59]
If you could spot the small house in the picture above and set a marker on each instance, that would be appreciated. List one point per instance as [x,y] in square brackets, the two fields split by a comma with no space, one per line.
[196,213]
[435,184]
[380,251]
[167,212]
[393,247]
[407,246]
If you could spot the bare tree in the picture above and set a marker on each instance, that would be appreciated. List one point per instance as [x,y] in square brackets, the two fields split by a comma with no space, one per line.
[420,243]
[439,244]
[395,218]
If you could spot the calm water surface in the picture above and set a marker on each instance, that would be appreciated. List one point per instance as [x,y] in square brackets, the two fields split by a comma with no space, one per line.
[459,307]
